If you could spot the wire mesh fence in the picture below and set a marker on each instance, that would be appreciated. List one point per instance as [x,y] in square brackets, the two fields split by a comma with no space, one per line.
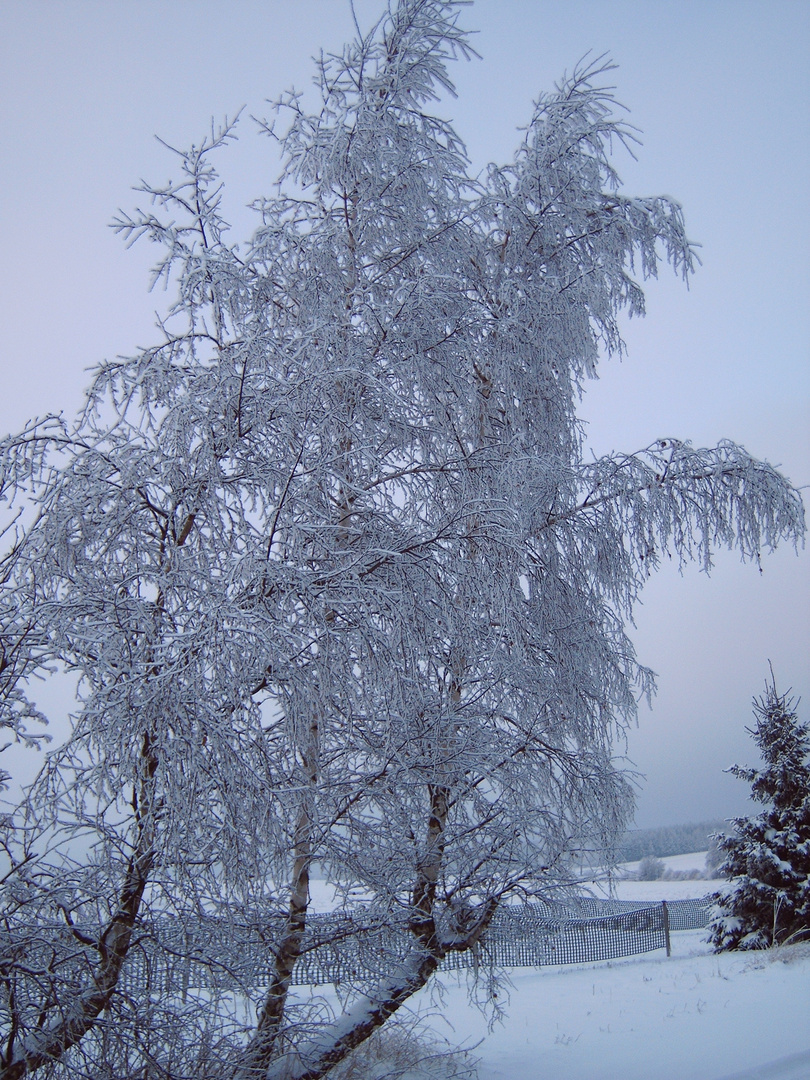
[683,914]
[174,956]
[346,947]
[528,937]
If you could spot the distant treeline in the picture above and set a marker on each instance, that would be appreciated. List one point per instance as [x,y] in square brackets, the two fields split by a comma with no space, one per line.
[668,840]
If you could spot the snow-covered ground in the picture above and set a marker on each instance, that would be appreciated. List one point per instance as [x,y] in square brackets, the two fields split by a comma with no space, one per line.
[692,1016]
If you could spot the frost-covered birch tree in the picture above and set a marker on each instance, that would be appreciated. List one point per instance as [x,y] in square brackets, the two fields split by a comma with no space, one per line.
[332,574]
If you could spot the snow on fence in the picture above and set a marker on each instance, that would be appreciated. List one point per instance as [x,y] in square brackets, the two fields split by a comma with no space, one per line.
[173,955]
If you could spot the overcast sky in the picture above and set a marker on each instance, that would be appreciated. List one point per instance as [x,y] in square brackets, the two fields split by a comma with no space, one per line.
[720,91]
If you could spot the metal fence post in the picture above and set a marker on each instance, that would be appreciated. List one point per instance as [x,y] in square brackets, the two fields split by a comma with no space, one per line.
[665,913]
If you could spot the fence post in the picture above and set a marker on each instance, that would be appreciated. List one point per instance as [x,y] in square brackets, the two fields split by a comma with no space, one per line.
[665,913]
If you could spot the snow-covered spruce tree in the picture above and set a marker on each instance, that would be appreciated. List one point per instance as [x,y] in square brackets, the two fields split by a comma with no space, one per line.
[333,576]
[767,858]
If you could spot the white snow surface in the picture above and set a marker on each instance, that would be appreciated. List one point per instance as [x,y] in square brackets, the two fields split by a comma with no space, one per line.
[696,1015]
[693,1016]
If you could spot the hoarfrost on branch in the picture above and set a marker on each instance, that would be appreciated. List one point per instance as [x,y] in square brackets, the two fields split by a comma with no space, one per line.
[335,580]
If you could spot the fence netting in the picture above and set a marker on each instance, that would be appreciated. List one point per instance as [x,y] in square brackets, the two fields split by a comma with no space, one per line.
[683,914]
[174,955]
[346,947]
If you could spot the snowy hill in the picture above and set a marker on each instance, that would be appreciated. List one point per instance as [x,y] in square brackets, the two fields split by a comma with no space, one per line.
[624,886]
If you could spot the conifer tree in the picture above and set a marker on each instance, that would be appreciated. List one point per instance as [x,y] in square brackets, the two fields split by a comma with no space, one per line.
[767,902]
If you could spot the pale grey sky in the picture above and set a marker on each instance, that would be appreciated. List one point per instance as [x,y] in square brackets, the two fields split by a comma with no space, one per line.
[720,89]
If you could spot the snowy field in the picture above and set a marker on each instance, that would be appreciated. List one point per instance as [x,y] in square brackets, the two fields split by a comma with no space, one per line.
[692,1016]
[623,885]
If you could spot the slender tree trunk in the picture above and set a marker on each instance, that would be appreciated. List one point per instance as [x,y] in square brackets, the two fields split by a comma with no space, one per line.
[263,1046]
[70,1025]
[356,1025]
[352,1028]
[422,922]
